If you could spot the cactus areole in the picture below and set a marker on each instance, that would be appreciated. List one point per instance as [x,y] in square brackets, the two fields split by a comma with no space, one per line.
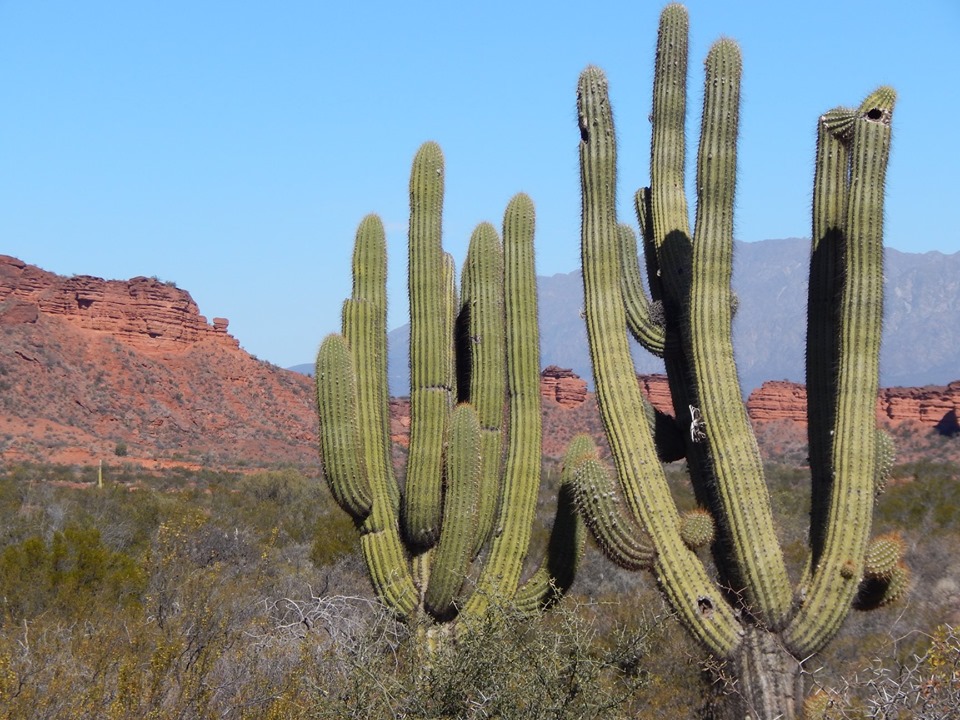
[750,615]
[473,469]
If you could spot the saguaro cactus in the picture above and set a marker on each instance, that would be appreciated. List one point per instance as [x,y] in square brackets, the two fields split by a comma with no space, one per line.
[751,615]
[462,493]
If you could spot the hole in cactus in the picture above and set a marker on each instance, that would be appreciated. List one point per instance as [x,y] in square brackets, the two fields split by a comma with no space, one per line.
[874,114]
[705,606]
[584,132]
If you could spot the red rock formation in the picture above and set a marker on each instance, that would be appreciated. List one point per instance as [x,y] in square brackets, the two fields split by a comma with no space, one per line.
[144,312]
[656,388]
[778,400]
[19,313]
[87,364]
[400,421]
[560,388]
[928,406]
[563,386]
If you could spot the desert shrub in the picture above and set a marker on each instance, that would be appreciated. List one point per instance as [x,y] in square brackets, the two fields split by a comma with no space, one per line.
[359,662]
[925,685]
[281,500]
[334,537]
[71,574]
[924,496]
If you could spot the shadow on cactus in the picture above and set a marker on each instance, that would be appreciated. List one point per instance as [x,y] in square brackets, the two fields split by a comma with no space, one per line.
[750,615]
[456,534]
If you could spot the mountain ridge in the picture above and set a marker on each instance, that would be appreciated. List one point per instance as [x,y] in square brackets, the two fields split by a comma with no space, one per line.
[130,371]
[921,343]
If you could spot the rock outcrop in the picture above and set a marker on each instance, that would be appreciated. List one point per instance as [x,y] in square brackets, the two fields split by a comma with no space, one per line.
[563,386]
[142,312]
[935,406]
[656,388]
[89,366]
[778,400]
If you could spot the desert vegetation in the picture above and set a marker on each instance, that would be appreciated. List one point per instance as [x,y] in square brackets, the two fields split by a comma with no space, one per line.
[213,594]
[416,584]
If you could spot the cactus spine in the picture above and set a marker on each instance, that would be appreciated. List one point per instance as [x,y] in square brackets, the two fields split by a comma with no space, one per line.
[466,358]
[752,616]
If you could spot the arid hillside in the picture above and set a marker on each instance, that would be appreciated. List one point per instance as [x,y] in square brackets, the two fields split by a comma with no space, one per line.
[94,369]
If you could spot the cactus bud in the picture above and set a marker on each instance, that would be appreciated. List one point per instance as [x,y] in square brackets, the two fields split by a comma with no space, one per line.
[697,529]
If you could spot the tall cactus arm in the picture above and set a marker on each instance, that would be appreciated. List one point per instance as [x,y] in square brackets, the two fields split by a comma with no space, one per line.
[389,569]
[452,553]
[481,337]
[567,537]
[678,570]
[340,445]
[521,478]
[826,257]
[644,323]
[643,206]
[357,464]
[733,448]
[668,202]
[615,531]
[365,329]
[854,447]
[617,534]
[450,309]
[431,348]
[666,214]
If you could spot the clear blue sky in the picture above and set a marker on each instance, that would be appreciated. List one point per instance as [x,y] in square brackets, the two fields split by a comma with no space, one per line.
[232,147]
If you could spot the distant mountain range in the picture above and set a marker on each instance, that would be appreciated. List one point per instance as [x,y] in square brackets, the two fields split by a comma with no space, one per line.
[921,343]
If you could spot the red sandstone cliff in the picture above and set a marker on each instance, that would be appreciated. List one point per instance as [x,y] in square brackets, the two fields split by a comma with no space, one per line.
[141,312]
[778,400]
[656,388]
[563,386]
[88,366]
[931,406]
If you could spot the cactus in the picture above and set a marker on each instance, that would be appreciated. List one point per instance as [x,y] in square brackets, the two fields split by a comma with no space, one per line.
[462,493]
[751,616]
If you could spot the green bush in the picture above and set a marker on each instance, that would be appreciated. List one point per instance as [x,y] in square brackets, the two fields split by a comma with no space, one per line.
[72,573]
[923,496]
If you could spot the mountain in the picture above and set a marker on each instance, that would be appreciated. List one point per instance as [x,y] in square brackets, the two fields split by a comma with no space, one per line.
[130,371]
[119,371]
[303,368]
[921,344]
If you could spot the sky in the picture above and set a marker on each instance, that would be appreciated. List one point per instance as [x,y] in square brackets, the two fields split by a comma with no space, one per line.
[233,147]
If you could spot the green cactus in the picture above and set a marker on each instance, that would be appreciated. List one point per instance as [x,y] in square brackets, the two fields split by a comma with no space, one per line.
[883,555]
[462,494]
[751,615]
[697,528]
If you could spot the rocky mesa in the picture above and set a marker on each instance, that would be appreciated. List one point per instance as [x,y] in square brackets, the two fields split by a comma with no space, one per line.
[93,369]
[142,312]
[932,406]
